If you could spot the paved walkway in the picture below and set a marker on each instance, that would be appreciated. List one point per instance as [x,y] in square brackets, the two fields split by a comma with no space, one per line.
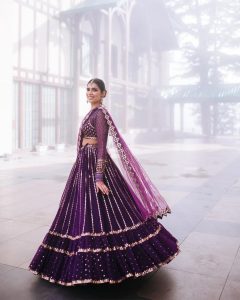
[200,181]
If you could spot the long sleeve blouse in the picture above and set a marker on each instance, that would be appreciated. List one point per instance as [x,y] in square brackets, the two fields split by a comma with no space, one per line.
[96,126]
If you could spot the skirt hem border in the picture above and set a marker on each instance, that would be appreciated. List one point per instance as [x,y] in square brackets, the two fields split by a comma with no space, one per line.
[106,280]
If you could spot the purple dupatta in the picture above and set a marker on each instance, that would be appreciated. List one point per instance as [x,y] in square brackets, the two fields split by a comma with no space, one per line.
[149,200]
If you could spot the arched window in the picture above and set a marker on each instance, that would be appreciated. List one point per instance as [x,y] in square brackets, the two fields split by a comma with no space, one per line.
[102,48]
[117,47]
[65,50]
[27,21]
[86,59]
[140,44]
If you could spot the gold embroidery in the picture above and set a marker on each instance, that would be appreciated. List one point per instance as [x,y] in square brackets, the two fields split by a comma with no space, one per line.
[89,146]
[101,164]
[106,280]
[115,191]
[107,249]
[90,124]
[90,137]
[95,233]
[89,194]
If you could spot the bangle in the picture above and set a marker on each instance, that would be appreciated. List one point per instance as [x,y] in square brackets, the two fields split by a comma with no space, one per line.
[99,176]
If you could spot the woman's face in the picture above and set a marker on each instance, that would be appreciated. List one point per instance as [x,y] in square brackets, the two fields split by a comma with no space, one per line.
[94,94]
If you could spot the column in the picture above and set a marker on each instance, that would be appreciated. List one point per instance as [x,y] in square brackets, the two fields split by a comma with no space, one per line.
[109,56]
[128,11]
[181,117]
[205,118]
[6,78]
[75,122]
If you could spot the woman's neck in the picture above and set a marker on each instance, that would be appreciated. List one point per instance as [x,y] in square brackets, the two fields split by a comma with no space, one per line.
[95,106]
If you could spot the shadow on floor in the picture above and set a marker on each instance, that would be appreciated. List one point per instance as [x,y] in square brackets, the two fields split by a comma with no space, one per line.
[129,289]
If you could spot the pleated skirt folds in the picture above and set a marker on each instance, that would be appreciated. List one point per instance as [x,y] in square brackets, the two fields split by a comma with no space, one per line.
[97,238]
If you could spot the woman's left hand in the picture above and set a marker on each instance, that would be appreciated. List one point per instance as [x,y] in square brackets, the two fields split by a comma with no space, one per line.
[102,186]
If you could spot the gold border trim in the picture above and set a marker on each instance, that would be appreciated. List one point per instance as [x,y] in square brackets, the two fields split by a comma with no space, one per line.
[107,249]
[96,233]
[106,280]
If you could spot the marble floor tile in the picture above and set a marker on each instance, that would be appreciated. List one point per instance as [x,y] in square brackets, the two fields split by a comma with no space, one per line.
[202,262]
[34,236]
[206,254]
[4,268]
[176,285]
[218,227]
[12,228]
[43,216]
[235,270]
[15,252]
[231,291]
[222,245]
[226,210]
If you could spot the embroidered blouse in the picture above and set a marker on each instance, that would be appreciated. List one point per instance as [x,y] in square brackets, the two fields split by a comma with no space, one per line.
[96,126]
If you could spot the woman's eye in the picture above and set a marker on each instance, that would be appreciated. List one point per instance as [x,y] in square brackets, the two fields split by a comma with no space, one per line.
[94,90]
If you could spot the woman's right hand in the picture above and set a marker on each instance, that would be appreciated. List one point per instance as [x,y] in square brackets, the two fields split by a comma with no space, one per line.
[102,186]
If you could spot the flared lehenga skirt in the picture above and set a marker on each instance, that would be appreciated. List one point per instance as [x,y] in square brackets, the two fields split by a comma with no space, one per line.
[99,238]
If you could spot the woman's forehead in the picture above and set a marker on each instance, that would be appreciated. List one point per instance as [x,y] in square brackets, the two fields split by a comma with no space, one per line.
[92,85]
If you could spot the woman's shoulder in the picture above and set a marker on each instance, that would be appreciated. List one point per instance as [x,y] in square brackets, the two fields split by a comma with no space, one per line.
[102,110]
[102,114]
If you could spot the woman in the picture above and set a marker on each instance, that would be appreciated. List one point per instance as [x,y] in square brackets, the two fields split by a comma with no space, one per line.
[106,227]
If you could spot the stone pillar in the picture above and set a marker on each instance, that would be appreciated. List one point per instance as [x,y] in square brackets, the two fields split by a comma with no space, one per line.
[108,58]
[171,118]
[75,107]
[205,119]
[6,78]
[182,117]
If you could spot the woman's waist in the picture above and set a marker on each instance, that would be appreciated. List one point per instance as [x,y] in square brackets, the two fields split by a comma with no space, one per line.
[90,140]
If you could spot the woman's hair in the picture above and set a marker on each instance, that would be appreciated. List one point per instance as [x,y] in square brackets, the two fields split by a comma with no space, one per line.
[99,82]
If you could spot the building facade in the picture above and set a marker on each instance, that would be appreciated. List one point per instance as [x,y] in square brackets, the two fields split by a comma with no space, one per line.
[58,45]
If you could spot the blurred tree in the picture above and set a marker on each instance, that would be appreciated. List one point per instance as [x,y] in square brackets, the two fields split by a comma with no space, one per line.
[209,37]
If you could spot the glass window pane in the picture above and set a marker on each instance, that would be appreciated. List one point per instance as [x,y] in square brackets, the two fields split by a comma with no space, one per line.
[15,29]
[114,61]
[54,47]
[65,51]
[31,115]
[15,115]
[48,115]
[86,61]
[41,42]
[64,113]
[27,38]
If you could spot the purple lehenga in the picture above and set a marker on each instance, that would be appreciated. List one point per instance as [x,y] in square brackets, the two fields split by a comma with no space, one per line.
[99,238]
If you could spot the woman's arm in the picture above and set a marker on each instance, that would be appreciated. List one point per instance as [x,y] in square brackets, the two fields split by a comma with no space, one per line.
[102,135]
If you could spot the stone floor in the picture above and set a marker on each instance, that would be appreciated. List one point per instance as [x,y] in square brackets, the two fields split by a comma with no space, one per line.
[201,182]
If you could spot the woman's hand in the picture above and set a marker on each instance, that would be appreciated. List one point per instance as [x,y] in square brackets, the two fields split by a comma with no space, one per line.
[101,186]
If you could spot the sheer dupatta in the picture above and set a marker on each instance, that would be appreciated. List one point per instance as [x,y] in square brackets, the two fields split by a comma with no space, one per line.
[149,200]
